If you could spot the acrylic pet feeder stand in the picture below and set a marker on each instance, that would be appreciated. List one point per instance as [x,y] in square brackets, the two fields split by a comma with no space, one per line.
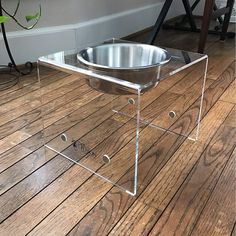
[110,134]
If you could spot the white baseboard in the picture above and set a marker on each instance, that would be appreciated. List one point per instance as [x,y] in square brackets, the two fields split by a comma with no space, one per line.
[29,45]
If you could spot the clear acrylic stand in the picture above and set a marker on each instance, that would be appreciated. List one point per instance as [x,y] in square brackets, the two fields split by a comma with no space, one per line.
[108,134]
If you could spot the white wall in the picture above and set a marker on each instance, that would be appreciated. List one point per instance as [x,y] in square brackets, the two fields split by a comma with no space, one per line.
[63,12]
[76,23]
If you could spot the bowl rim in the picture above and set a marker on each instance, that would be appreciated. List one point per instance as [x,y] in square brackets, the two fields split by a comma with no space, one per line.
[99,66]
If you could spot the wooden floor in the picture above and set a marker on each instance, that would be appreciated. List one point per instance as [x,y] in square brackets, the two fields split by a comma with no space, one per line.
[189,188]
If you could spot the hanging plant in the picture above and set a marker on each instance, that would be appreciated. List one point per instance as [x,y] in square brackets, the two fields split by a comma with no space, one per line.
[5,16]
[8,16]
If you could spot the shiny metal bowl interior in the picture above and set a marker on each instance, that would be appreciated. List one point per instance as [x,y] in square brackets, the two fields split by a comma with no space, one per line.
[123,56]
[134,62]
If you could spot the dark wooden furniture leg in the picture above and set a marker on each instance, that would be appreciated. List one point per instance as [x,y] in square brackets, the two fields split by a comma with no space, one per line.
[208,9]
[189,14]
[230,5]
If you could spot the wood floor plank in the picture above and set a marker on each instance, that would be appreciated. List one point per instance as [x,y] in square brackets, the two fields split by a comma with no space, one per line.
[182,40]
[221,56]
[29,88]
[111,140]
[184,209]
[190,79]
[12,156]
[139,221]
[20,119]
[123,201]
[168,180]
[30,101]
[126,223]
[25,120]
[34,95]
[217,218]
[4,199]
[27,80]
[84,127]
[227,75]
[114,204]
[230,121]
[182,104]
[221,92]
[76,176]
[8,158]
[44,108]
[99,229]
[211,95]
[156,94]
[149,99]
[35,127]
[180,80]
[230,94]
[61,226]
[5,158]
[55,218]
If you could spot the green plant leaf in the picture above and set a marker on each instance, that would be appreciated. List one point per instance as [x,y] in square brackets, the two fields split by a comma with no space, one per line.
[32,17]
[4,19]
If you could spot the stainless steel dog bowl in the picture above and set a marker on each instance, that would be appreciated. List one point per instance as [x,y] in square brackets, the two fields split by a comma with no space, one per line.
[133,62]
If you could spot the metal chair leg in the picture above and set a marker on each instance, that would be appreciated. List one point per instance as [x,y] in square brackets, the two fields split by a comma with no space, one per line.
[189,14]
[159,21]
[192,9]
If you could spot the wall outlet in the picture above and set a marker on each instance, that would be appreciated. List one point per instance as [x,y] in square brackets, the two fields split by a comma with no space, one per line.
[222,3]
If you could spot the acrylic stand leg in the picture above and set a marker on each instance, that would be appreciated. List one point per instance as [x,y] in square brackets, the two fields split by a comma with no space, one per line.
[178,105]
[201,102]
[80,125]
